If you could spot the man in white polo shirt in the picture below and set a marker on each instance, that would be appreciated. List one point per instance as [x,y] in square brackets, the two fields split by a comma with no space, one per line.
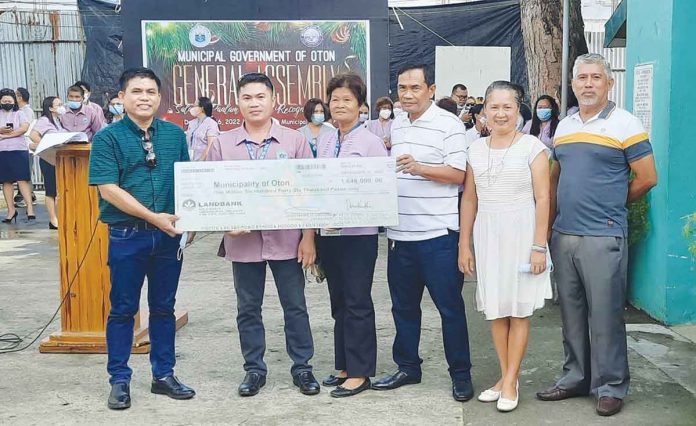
[430,149]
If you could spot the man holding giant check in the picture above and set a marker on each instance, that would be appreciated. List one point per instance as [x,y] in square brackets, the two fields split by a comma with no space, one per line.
[269,210]
[286,251]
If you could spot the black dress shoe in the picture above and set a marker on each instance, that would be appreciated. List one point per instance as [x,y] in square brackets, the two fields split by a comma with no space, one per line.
[119,398]
[394,381]
[341,392]
[172,387]
[334,381]
[252,384]
[462,390]
[557,394]
[307,383]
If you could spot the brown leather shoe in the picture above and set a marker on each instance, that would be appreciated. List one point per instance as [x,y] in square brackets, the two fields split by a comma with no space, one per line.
[608,406]
[556,394]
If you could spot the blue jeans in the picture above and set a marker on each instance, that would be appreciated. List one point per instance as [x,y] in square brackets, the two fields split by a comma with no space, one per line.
[414,265]
[134,255]
[249,283]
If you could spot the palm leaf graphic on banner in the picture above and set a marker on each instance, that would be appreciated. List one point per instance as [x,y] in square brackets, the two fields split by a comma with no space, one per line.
[358,42]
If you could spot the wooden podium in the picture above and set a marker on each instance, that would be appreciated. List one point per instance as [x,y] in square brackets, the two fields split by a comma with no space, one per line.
[85,310]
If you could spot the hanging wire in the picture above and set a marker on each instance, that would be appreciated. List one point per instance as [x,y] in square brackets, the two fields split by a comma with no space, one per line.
[422,25]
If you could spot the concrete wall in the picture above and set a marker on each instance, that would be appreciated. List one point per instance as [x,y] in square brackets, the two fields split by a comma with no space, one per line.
[662,272]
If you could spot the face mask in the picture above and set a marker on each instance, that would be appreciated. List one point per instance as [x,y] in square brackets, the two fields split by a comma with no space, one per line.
[363,117]
[544,114]
[86,97]
[385,114]
[195,111]
[60,110]
[317,118]
[74,104]
[398,111]
[7,107]
[116,109]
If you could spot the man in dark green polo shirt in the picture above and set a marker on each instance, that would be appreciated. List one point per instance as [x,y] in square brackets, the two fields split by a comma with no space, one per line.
[132,164]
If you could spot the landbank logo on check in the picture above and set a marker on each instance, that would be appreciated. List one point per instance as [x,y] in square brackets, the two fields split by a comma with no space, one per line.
[189,204]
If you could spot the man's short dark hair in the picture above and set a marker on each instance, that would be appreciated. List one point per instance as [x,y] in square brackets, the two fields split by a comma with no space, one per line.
[311,105]
[139,72]
[83,84]
[459,86]
[349,81]
[255,77]
[77,89]
[447,104]
[24,93]
[427,73]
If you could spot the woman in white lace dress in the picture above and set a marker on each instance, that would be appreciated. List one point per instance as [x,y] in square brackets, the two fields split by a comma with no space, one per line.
[506,204]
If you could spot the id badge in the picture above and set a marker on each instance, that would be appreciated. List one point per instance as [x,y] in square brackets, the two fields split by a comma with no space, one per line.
[330,232]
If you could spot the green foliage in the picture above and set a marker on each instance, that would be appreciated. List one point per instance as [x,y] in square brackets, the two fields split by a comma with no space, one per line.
[689,232]
[638,224]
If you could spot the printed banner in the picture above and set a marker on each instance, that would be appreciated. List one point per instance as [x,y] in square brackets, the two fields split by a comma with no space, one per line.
[207,58]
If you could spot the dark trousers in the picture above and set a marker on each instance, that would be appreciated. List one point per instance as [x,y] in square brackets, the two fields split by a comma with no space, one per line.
[134,255]
[414,265]
[249,283]
[591,279]
[349,264]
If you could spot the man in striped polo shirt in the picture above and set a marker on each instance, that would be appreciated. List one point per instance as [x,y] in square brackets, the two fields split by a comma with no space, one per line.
[430,148]
[595,151]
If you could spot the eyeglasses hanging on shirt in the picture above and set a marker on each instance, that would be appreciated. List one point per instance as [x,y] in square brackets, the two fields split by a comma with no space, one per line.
[150,157]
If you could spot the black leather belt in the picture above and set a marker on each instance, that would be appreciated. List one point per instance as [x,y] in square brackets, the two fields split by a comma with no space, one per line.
[140,226]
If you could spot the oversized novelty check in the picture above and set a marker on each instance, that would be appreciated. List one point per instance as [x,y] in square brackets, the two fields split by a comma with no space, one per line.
[285,194]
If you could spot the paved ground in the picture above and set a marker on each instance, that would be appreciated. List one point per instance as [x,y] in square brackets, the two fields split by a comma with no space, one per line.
[72,389]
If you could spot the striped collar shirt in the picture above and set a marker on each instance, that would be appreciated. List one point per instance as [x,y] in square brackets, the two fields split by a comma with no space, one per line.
[427,209]
[595,158]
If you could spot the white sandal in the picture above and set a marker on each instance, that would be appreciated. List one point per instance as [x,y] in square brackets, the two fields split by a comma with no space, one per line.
[489,395]
[505,405]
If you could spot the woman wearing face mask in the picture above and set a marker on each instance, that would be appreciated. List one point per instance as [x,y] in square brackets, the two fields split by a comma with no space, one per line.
[382,125]
[49,122]
[544,121]
[317,114]
[364,113]
[14,156]
[203,129]
[115,111]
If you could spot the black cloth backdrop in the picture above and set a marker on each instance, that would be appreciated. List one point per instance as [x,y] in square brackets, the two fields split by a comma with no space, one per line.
[103,57]
[482,23]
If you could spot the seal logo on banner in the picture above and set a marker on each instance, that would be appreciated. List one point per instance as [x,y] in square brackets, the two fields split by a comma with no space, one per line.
[312,36]
[200,36]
